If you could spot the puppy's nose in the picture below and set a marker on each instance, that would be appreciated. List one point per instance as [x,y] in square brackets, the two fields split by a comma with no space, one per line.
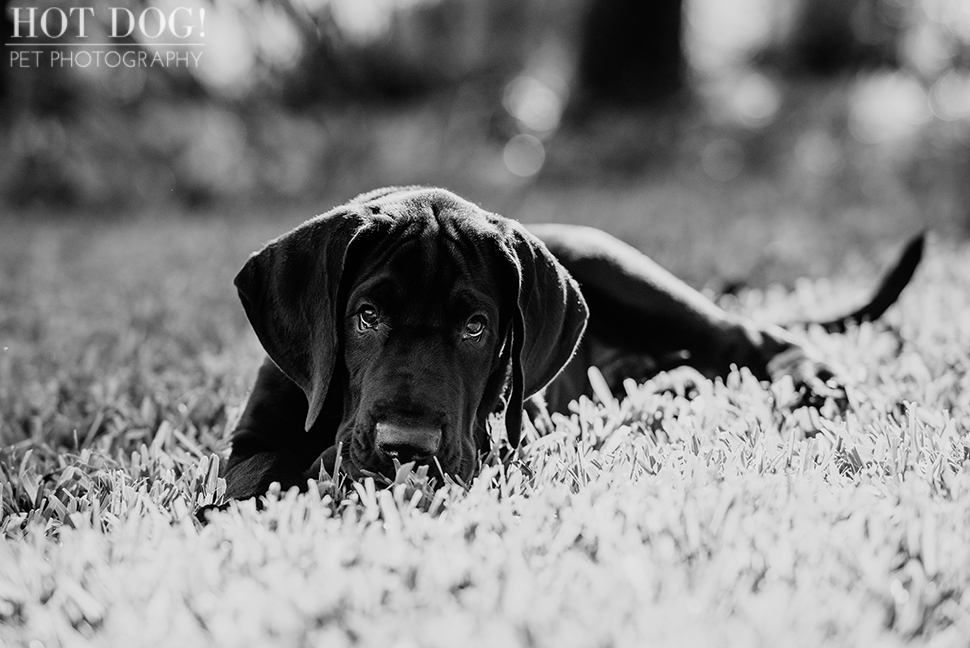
[406,442]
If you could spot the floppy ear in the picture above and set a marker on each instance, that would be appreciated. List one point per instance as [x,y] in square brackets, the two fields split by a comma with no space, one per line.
[549,320]
[289,291]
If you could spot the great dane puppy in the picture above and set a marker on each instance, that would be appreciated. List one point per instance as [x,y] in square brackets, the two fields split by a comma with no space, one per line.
[396,324]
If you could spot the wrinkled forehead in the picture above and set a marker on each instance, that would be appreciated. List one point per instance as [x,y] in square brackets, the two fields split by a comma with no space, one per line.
[432,258]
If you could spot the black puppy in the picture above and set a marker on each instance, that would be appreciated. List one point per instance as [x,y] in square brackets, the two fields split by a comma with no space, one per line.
[397,323]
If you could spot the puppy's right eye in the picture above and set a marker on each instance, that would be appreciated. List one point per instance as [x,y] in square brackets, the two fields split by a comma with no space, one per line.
[368,316]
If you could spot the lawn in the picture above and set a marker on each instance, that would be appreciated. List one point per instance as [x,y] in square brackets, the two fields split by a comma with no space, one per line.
[717,518]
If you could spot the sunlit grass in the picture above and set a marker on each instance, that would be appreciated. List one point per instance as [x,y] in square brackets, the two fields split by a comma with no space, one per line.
[719,517]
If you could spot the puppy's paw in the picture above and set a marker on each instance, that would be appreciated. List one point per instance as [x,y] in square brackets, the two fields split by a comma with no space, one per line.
[680,381]
[816,383]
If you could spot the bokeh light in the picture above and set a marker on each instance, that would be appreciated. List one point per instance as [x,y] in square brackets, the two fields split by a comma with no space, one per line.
[534,104]
[524,155]
[887,107]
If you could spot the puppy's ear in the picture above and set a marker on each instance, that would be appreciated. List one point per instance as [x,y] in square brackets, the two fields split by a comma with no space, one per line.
[549,320]
[289,290]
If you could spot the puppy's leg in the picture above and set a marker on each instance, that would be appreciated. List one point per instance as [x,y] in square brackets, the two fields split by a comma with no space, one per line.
[637,307]
[270,444]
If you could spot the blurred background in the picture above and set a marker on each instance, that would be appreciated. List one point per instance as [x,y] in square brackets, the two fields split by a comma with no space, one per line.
[789,131]
[740,143]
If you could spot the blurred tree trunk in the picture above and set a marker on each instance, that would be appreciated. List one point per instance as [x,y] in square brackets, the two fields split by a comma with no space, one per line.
[631,52]
[834,37]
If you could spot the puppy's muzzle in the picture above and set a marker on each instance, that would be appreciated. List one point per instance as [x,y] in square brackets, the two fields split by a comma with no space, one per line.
[405,441]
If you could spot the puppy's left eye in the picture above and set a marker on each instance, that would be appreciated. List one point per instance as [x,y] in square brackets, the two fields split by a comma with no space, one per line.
[368,316]
[474,327]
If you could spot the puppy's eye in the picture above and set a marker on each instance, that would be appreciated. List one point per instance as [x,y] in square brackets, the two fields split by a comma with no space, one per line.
[368,316]
[474,327]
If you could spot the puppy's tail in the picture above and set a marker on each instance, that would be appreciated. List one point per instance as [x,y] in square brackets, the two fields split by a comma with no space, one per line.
[889,289]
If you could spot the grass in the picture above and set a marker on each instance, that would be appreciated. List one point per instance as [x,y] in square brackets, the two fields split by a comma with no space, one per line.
[721,519]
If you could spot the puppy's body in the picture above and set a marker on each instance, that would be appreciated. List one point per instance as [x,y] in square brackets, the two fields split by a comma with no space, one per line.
[396,324]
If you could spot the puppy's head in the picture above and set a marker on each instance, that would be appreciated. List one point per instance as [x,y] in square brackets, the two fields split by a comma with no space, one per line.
[420,311]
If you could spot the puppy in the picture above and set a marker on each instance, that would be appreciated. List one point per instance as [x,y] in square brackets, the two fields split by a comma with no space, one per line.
[396,324]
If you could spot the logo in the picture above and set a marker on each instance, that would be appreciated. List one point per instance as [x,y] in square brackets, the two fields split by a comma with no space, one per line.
[88,36]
